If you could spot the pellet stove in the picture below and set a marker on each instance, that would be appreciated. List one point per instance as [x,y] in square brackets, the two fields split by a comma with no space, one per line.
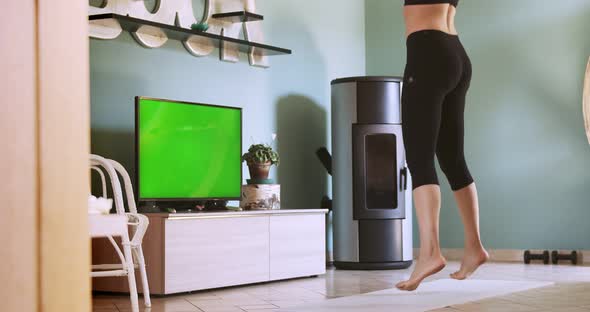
[372,190]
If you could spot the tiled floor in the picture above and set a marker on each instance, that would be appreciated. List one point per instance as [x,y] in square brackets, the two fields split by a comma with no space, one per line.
[570,294]
[567,297]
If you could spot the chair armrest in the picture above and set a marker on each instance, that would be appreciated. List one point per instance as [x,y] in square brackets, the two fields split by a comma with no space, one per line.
[140,223]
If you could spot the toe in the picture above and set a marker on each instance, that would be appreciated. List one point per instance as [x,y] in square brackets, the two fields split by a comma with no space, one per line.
[459,275]
[411,287]
[407,286]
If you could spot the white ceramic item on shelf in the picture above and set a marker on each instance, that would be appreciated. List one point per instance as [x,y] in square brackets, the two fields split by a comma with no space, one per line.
[180,13]
[99,205]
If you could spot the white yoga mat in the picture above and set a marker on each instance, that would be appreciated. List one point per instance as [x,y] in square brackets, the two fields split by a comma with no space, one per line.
[430,295]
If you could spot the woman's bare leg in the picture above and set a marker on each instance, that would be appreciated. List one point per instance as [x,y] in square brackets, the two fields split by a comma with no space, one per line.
[430,261]
[474,253]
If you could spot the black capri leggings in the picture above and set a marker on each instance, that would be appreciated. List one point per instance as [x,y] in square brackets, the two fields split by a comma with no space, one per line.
[436,80]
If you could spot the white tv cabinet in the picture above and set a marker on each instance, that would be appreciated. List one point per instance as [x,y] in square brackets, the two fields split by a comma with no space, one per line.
[198,251]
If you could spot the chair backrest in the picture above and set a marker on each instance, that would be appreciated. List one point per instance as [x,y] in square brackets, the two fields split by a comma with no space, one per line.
[113,170]
[102,180]
[128,186]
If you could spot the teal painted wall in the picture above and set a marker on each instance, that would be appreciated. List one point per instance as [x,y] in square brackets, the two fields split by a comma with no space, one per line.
[292,98]
[524,129]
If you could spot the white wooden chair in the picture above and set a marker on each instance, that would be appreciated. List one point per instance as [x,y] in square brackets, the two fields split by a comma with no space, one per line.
[132,255]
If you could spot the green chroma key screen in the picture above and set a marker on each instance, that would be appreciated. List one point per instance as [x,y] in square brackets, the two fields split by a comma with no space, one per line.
[188,151]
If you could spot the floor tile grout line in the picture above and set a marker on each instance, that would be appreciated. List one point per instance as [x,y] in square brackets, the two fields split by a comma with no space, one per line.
[193,304]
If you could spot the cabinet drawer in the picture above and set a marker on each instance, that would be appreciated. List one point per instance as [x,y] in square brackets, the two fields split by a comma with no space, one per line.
[297,246]
[216,252]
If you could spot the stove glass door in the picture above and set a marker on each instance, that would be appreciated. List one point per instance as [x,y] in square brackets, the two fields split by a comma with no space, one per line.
[381,171]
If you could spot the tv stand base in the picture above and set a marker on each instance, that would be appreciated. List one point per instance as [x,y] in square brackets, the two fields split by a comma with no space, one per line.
[198,251]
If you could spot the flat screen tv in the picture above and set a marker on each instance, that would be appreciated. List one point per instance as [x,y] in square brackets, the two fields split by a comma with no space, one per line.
[187,151]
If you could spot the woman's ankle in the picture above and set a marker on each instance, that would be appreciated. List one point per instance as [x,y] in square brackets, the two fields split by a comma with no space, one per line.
[475,244]
[430,253]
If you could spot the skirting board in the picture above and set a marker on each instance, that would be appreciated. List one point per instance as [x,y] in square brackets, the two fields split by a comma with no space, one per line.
[508,255]
[496,255]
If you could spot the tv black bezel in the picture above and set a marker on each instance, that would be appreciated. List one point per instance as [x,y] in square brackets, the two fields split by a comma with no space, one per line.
[183,200]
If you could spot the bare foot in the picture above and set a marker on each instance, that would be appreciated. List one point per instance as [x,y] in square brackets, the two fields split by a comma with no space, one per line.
[425,267]
[472,259]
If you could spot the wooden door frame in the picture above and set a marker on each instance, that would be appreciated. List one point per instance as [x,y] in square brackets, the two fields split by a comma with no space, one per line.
[19,231]
[45,128]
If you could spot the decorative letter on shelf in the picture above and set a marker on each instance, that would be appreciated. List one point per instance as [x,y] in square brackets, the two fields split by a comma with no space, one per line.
[180,13]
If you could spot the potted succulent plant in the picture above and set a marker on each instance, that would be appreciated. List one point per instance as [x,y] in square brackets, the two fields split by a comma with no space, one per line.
[260,158]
